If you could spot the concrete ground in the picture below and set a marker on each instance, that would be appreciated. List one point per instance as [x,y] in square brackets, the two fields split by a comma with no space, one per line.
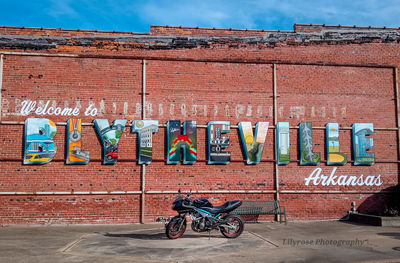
[330,241]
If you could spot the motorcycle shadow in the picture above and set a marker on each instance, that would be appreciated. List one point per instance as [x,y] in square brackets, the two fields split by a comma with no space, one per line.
[250,218]
[161,236]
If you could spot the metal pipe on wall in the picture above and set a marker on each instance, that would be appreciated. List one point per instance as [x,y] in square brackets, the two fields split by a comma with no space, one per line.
[142,207]
[1,80]
[396,88]
[143,89]
[204,126]
[276,167]
[198,192]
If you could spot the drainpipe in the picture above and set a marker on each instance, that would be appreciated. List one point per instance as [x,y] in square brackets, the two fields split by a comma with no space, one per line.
[1,79]
[142,208]
[396,85]
[276,153]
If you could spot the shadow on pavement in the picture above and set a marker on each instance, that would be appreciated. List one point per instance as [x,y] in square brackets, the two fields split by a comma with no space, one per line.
[391,234]
[345,220]
[158,236]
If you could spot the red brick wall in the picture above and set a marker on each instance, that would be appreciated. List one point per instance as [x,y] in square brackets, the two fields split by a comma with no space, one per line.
[201,91]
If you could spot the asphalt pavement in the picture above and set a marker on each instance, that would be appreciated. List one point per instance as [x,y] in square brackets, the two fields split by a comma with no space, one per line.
[322,241]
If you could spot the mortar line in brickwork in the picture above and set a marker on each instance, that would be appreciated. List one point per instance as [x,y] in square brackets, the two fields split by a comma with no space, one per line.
[134,160]
[214,192]
[200,192]
[334,192]
[242,61]
[202,126]
[73,193]
[352,161]
[197,161]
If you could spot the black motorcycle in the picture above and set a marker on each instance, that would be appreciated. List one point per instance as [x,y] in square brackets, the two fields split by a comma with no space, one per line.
[205,217]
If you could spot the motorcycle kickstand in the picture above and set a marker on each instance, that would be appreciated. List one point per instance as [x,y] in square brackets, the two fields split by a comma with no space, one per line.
[209,232]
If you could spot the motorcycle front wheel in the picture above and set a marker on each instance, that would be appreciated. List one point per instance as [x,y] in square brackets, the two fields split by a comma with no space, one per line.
[236,226]
[175,228]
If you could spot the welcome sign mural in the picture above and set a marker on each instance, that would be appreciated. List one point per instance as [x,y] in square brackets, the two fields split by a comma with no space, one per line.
[39,147]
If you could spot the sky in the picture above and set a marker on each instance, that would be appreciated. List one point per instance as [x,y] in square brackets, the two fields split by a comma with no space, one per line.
[137,16]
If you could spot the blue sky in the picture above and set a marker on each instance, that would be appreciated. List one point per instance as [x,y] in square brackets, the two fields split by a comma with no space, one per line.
[137,16]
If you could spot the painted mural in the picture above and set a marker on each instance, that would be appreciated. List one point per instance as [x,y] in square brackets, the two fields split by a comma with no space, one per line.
[307,156]
[145,130]
[283,142]
[75,155]
[334,156]
[176,141]
[361,144]
[217,142]
[330,177]
[39,147]
[253,147]
[109,136]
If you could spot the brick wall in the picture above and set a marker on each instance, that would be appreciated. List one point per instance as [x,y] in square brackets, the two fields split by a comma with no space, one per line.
[228,77]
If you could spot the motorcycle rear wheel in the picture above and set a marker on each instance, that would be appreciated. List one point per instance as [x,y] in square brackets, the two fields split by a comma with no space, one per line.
[237,224]
[174,228]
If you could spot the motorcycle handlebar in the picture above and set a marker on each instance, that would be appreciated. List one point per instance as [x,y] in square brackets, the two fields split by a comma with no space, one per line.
[188,201]
[187,194]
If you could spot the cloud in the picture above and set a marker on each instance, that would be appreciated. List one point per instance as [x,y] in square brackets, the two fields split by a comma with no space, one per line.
[271,14]
[61,8]
[135,15]
[190,13]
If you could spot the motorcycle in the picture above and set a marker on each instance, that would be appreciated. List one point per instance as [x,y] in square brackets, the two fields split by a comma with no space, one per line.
[205,217]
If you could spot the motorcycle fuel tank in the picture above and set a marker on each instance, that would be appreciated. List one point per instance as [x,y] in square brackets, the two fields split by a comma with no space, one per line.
[202,202]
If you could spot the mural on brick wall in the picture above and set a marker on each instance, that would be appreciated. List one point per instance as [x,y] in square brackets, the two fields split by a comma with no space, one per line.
[109,136]
[283,142]
[217,142]
[334,156]
[253,145]
[75,155]
[176,141]
[307,156]
[145,129]
[361,144]
[39,147]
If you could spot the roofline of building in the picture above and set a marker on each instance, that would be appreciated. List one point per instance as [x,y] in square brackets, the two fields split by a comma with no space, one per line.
[295,26]
[73,30]
[224,29]
[347,26]
[178,37]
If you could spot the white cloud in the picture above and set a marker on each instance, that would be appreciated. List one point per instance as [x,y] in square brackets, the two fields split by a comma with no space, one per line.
[269,14]
[61,8]
[185,13]
[253,14]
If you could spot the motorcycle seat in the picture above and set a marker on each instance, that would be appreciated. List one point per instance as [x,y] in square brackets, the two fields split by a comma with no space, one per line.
[225,208]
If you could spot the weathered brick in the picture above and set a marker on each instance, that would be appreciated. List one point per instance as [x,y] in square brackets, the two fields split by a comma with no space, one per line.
[324,74]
